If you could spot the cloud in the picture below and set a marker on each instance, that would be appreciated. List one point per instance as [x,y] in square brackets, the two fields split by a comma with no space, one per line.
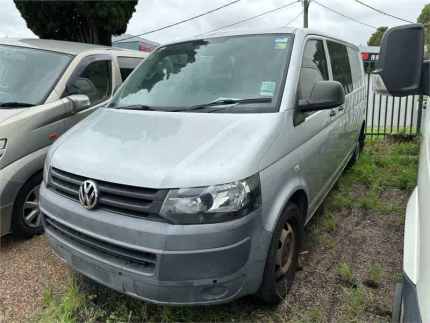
[151,14]
[11,22]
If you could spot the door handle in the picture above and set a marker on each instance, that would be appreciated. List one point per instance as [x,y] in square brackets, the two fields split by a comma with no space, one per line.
[332,113]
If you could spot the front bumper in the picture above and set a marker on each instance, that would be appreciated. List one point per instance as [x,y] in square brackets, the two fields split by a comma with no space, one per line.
[158,262]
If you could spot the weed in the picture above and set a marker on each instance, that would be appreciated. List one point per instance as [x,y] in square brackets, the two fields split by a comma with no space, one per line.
[329,222]
[345,273]
[64,311]
[375,274]
[355,302]
[314,315]
[328,241]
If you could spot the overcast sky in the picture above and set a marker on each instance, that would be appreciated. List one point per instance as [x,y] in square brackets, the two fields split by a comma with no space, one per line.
[151,14]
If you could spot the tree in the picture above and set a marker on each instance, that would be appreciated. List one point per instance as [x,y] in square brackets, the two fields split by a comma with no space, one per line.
[375,39]
[424,19]
[85,21]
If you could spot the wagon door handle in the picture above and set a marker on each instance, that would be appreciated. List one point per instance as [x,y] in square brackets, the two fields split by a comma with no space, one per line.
[332,113]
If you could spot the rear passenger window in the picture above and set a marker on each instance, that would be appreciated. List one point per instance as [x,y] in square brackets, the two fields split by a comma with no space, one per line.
[127,65]
[314,68]
[340,65]
[354,60]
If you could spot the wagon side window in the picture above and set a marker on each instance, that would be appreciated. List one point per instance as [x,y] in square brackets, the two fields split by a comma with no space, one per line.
[340,65]
[314,67]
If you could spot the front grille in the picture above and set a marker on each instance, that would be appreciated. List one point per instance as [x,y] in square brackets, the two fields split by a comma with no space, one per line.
[144,259]
[124,199]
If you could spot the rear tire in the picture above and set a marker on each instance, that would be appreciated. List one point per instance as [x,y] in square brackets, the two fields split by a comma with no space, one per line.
[362,138]
[359,146]
[26,220]
[282,259]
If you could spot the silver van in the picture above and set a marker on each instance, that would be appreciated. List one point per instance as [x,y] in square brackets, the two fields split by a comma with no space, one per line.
[46,87]
[194,185]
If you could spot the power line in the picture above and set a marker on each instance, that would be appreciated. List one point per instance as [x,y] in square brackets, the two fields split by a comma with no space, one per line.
[180,22]
[343,15]
[250,18]
[383,12]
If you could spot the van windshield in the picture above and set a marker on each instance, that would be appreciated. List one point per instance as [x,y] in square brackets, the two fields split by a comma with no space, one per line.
[234,74]
[28,75]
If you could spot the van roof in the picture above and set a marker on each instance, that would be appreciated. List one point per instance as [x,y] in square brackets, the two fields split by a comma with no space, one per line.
[66,47]
[303,32]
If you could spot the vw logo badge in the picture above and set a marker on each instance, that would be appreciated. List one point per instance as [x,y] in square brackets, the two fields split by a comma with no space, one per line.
[89,194]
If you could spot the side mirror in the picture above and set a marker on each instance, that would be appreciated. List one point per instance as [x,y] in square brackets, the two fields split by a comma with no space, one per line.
[81,85]
[325,95]
[400,63]
[79,102]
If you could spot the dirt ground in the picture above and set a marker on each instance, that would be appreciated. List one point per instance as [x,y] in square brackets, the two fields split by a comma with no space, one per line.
[362,241]
[27,268]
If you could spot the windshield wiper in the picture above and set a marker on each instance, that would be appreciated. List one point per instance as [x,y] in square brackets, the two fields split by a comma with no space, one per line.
[227,102]
[141,107]
[15,105]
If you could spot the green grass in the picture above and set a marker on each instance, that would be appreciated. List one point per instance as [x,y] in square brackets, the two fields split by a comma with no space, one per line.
[382,168]
[375,274]
[345,273]
[355,300]
[65,309]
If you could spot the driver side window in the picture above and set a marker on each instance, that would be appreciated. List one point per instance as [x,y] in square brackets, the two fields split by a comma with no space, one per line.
[95,81]
[314,68]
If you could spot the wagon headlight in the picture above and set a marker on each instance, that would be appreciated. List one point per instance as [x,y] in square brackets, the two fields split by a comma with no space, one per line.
[3,145]
[212,204]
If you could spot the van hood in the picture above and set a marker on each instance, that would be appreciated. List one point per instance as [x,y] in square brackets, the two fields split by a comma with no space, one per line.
[166,149]
[8,113]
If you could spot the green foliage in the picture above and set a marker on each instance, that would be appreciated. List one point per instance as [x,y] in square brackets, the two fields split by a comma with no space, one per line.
[84,21]
[64,311]
[424,18]
[382,168]
[375,273]
[376,37]
[355,302]
[345,273]
[329,222]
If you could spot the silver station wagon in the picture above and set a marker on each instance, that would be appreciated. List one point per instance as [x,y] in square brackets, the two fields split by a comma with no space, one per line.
[46,87]
[194,185]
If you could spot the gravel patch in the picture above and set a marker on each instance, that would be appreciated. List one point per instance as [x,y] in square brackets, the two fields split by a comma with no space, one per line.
[27,267]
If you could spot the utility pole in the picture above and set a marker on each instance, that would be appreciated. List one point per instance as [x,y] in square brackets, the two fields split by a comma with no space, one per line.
[306,13]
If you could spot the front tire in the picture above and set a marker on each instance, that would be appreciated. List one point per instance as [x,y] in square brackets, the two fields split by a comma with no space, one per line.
[26,219]
[282,259]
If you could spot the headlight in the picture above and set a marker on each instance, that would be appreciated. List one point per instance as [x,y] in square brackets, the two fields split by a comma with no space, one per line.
[3,144]
[212,204]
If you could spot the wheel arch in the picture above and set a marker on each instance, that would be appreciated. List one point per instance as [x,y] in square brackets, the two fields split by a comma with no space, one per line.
[300,199]
[297,193]
[12,178]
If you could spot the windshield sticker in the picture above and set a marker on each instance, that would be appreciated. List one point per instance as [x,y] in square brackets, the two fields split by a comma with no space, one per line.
[281,43]
[267,88]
